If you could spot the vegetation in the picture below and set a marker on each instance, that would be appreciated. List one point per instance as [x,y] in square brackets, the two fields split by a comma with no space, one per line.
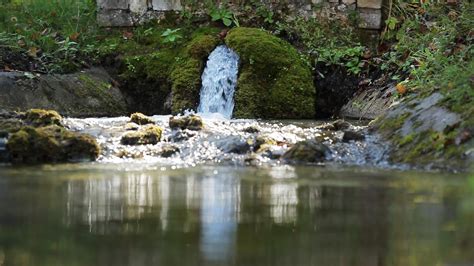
[274,80]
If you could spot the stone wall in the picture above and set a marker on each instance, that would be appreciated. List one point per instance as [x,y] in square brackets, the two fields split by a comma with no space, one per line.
[123,13]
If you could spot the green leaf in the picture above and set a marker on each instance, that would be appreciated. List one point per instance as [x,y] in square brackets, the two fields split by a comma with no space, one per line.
[227,21]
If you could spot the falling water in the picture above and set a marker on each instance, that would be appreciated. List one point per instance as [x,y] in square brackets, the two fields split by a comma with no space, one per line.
[218,82]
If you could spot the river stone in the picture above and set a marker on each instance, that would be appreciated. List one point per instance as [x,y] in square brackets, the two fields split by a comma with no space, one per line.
[82,94]
[308,151]
[51,144]
[191,122]
[150,134]
[352,135]
[140,119]
[168,151]
[41,118]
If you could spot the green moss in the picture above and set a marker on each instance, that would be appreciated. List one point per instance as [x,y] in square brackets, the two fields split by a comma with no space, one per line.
[150,134]
[51,144]
[274,80]
[140,119]
[391,124]
[186,74]
[39,117]
[191,122]
[10,125]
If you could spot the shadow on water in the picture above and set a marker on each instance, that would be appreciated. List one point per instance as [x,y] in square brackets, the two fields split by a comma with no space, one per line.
[108,214]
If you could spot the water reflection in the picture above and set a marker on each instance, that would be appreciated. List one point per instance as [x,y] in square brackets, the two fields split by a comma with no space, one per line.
[234,216]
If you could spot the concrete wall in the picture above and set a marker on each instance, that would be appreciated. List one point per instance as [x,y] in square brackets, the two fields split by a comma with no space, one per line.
[116,13]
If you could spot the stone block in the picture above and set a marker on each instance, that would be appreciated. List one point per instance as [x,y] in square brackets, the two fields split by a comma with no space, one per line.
[334,1]
[114,18]
[375,4]
[370,18]
[348,2]
[113,4]
[166,5]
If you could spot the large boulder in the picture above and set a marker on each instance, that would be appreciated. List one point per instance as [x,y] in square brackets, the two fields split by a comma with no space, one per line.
[87,93]
[274,80]
[50,144]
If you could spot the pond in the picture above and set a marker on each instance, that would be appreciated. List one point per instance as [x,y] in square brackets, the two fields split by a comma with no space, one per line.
[150,214]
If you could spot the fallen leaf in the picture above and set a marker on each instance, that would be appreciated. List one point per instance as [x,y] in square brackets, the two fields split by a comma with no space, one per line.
[33,52]
[127,35]
[73,37]
[401,88]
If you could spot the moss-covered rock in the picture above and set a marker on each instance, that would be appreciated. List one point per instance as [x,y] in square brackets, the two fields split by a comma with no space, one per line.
[191,122]
[186,75]
[140,119]
[274,81]
[150,134]
[51,144]
[306,152]
[39,117]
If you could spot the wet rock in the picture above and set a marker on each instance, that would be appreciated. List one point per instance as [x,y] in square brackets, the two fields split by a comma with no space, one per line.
[263,141]
[191,122]
[4,155]
[341,124]
[131,127]
[251,129]
[308,151]
[168,151]
[41,118]
[234,145]
[182,135]
[272,152]
[10,125]
[140,119]
[51,144]
[337,125]
[150,134]
[352,136]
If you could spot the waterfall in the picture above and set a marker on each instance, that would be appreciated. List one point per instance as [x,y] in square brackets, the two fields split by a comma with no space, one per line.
[218,82]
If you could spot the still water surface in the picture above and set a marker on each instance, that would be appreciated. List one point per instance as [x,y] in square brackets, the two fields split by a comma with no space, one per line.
[116,214]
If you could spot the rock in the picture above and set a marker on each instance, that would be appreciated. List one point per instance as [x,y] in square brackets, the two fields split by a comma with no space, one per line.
[140,119]
[374,4]
[262,142]
[274,81]
[168,151]
[234,144]
[10,125]
[251,129]
[352,135]
[180,135]
[191,122]
[370,18]
[369,103]
[51,144]
[337,125]
[82,94]
[150,134]
[131,127]
[306,152]
[41,118]
[4,155]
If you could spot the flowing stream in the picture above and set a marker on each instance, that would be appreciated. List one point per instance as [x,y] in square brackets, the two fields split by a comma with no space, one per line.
[218,82]
[223,196]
